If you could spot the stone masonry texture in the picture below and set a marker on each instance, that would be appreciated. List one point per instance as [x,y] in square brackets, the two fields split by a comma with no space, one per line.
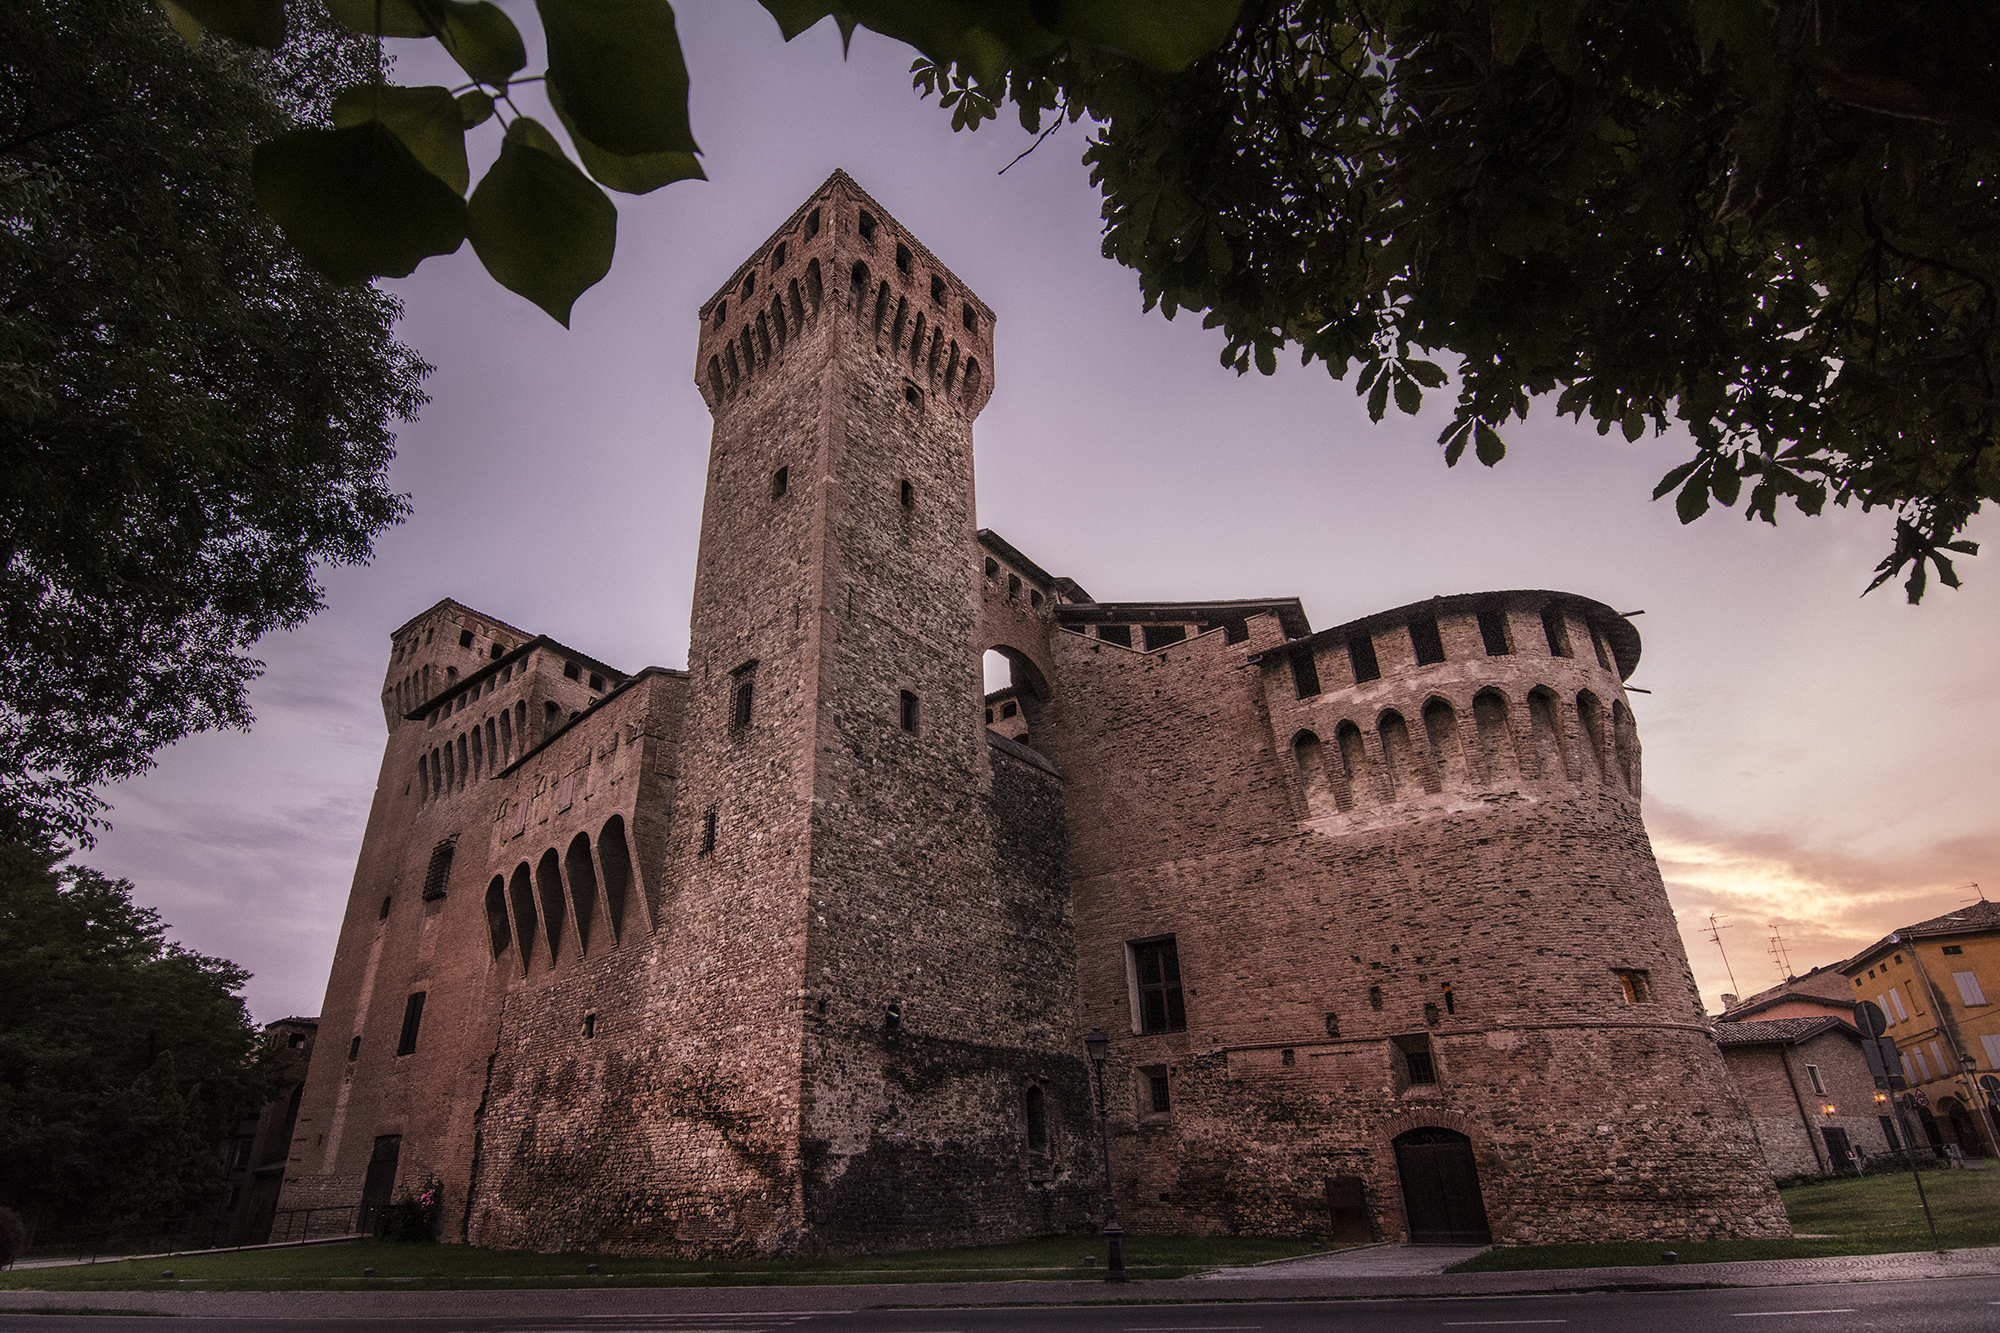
[789,953]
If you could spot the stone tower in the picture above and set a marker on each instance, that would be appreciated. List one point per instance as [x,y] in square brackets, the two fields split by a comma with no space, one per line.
[836,840]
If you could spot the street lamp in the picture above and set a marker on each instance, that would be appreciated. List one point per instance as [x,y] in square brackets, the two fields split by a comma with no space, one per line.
[1097,1044]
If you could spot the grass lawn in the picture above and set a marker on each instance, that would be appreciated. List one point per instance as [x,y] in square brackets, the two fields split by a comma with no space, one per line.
[1875,1215]
[447,1267]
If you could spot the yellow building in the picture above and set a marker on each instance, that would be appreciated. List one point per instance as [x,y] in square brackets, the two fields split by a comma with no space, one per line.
[1938,983]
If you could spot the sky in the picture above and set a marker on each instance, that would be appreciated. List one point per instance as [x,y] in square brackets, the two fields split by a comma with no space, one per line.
[1818,764]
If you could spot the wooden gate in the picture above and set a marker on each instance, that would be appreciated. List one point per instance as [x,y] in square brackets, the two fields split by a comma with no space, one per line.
[1441,1188]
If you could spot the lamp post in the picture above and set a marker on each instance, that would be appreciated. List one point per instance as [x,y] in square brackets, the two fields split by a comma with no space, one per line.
[1097,1044]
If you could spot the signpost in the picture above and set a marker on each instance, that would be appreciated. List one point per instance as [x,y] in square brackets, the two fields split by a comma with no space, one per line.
[1887,1067]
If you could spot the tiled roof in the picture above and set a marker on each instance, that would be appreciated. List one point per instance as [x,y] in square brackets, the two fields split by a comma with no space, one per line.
[1981,915]
[1763,1031]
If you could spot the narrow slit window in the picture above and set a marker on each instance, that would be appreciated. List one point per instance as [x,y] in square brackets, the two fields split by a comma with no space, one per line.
[1556,631]
[1159,1093]
[742,695]
[909,711]
[1493,631]
[413,1020]
[1635,984]
[908,494]
[708,823]
[781,481]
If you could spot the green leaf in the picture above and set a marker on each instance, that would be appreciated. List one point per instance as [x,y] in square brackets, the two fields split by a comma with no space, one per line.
[1378,398]
[1267,359]
[427,120]
[639,174]
[1168,35]
[256,22]
[481,38]
[1633,424]
[474,108]
[1453,438]
[381,18]
[1487,446]
[617,65]
[1676,477]
[796,16]
[1426,373]
[1692,502]
[1409,397]
[356,202]
[538,223]
[1513,28]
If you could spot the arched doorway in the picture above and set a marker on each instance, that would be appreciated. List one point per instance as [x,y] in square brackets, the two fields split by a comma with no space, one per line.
[1441,1188]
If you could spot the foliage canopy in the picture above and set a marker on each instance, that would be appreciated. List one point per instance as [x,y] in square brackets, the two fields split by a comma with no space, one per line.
[1772,222]
[124,1059]
[191,417]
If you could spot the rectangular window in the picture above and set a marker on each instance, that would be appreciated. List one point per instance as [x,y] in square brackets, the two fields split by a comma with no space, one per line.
[1118,634]
[1361,656]
[1812,1076]
[781,481]
[1159,636]
[1968,988]
[1556,631]
[1888,1124]
[1954,948]
[1424,637]
[1992,1044]
[413,1018]
[1896,998]
[1882,1003]
[1159,1092]
[1156,969]
[354,1048]
[1493,631]
[1416,1052]
[708,833]
[1943,1067]
[909,711]
[1305,673]
[1634,982]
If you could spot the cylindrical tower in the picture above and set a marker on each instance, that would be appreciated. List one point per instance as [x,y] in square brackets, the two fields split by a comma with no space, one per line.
[1402,954]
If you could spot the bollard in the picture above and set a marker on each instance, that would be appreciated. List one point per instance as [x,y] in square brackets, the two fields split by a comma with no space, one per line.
[590,1268]
[1090,1261]
[368,1272]
[1669,1257]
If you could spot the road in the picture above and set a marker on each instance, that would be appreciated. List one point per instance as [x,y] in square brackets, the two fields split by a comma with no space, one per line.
[1937,1305]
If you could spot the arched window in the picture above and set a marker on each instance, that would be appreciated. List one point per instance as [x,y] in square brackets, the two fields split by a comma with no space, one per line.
[1441,729]
[507,735]
[582,888]
[478,753]
[1498,761]
[764,338]
[813,290]
[1545,724]
[1590,722]
[616,857]
[951,367]
[917,341]
[971,378]
[549,891]
[1625,741]
[1355,765]
[749,353]
[1403,770]
[1310,763]
[859,283]
[778,320]
[423,779]
[902,321]
[520,889]
[496,915]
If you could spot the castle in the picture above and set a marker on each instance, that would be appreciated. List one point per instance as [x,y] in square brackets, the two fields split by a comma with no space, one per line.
[792,951]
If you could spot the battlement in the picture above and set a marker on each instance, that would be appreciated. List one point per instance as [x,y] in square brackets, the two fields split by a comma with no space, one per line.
[844,247]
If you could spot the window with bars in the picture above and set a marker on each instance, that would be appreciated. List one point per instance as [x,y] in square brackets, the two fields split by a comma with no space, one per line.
[1156,971]
[438,874]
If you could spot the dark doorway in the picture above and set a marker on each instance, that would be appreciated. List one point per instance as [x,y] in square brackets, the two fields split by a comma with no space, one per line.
[378,1186]
[1839,1151]
[1441,1188]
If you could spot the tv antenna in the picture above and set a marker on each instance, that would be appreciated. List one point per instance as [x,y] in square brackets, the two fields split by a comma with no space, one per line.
[1715,930]
[1974,886]
[1778,953]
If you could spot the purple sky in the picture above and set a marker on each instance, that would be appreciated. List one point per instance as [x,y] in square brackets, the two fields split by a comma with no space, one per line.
[1815,761]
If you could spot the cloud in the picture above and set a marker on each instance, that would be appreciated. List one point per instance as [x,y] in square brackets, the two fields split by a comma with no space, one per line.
[1825,903]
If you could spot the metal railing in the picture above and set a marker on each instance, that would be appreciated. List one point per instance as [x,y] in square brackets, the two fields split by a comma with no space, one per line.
[163,1235]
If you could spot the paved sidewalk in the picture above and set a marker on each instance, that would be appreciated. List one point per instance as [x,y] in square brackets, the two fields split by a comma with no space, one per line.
[1264,1283]
[1382,1260]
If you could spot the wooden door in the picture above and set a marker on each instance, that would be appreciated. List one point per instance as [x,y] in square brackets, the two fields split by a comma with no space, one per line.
[1441,1188]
